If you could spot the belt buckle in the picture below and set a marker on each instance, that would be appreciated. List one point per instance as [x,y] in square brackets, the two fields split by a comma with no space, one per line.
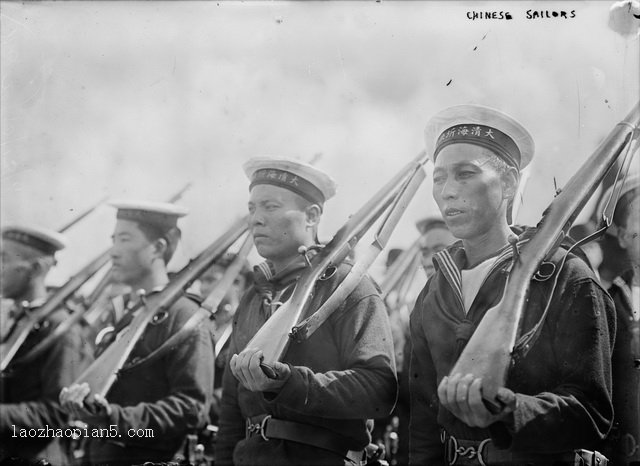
[453,451]
[258,428]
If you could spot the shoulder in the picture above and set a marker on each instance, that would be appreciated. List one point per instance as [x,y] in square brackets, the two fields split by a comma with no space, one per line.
[367,287]
[184,307]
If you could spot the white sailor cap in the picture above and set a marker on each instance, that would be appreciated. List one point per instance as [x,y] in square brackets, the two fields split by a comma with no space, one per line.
[44,240]
[429,223]
[161,215]
[307,181]
[482,126]
[631,182]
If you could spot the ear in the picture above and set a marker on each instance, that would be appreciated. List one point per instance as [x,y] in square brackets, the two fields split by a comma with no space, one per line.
[313,214]
[620,234]
[510,181]
[160,247]
[41,265]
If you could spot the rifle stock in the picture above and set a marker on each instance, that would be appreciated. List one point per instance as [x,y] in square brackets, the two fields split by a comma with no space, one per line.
[102,373]
[273,337]
[489,352]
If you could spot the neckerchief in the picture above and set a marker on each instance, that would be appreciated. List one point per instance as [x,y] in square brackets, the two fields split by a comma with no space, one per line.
[271,286]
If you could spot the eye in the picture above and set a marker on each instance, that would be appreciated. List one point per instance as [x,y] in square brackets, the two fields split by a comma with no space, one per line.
[438,179]
[464,174]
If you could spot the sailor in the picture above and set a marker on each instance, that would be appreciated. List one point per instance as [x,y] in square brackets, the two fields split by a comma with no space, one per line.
[164,398]
[29,395]
[434,237]
[315,412]
[624,440]
[557,399]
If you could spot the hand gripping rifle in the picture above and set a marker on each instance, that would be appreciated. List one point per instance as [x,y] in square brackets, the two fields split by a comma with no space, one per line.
[102,373]
[274,336]
[490,357]
[17,336]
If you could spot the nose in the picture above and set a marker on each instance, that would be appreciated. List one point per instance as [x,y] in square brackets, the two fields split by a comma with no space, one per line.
[255,219]
[113,252]
[449,190]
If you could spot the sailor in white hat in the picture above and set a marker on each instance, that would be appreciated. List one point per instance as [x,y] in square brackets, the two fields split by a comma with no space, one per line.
[27,256]
[315,408]
[434,237]
[29,391]
[169,395]
[624,443]
[271,181]
[549,405]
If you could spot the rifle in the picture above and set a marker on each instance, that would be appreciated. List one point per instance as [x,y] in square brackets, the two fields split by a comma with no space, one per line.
[12,343]
[210,305]
[102,373]
[82,215]
[274,336]
[489,357]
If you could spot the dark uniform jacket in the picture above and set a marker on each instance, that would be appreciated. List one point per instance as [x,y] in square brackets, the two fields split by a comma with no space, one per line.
[30,391]
[342,375]
[562,386]
[625,435]
[156,402]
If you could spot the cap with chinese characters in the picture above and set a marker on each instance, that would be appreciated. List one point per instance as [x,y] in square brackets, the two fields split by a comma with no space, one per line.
[43,240]
[429,223]
[305,180]
[160,215]
[482,126]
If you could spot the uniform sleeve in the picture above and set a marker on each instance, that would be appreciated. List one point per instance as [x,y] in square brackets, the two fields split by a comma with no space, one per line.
[367,387]
[577,412]
[190,371]
[58,368]
[424,445]
[231,426]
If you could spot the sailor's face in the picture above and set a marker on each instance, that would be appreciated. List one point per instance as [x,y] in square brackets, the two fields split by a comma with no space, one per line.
[277,221]
[468,190]
[435,240]
[15,267]
[131,253]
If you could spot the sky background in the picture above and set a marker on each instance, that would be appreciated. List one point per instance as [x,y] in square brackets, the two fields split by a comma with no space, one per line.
[136,99]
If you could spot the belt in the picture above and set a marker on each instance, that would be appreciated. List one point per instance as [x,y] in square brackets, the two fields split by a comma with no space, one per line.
[268,428]
[484,453]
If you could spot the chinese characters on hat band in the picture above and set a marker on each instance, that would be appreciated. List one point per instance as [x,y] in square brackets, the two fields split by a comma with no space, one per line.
[31,241]
[483,136]
[290,181]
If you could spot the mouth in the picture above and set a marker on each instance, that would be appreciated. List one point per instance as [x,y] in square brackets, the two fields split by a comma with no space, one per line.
[452,212]
[259,236]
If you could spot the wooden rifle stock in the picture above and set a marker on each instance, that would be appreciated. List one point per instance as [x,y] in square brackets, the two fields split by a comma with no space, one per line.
[274,336]
[24,326]
[489,352]
[102,373]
